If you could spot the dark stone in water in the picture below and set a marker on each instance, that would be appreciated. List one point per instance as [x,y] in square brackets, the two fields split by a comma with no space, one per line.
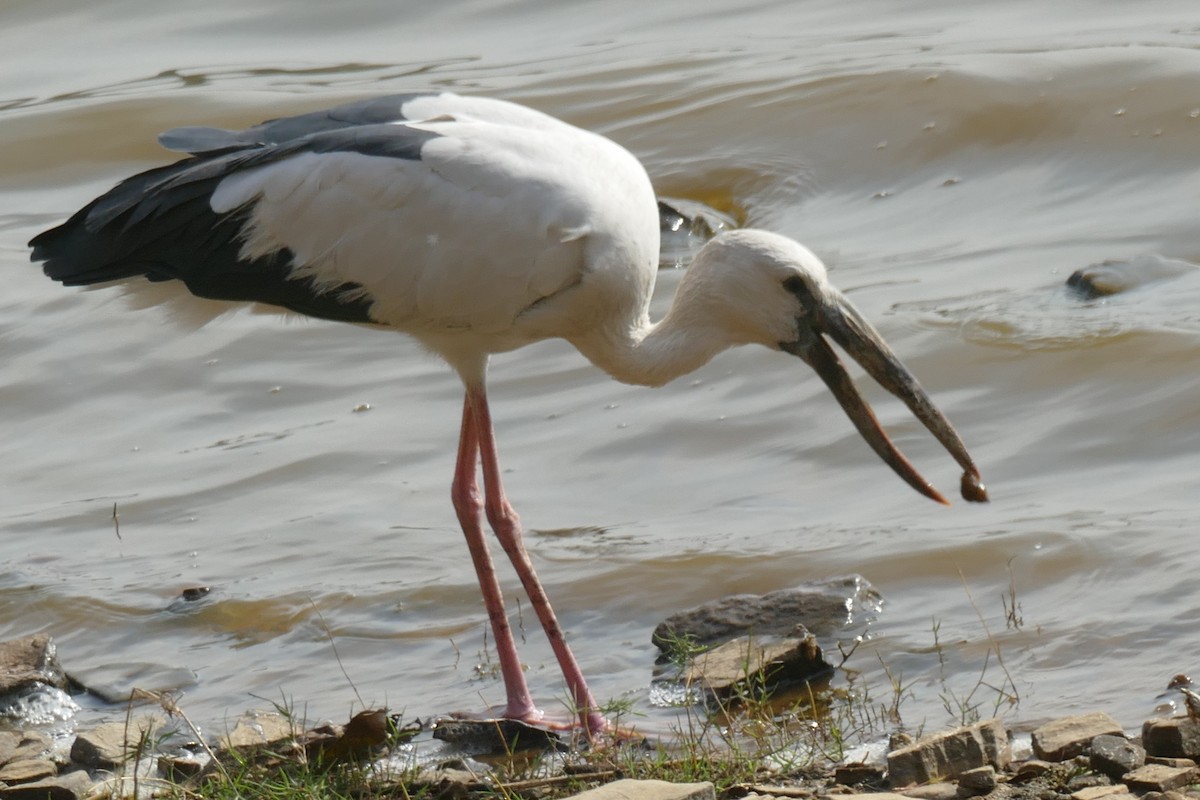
[194,593]
[495,736]
[820,607]
[1120,275]
[116,682]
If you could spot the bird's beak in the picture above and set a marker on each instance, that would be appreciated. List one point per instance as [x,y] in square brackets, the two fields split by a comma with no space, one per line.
[834,316]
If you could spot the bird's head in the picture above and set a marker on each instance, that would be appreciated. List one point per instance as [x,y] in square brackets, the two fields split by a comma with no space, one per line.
[768,289]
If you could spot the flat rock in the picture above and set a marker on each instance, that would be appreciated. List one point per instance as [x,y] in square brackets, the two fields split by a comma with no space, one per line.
[495,736]
[980,780]
[71,786]
[256,729]
[1170,762]
[1115,755]
[744,662]
[31,745]
[29,661]
[629,789]
[1176,737]
[1066,738]
[857,773]
[8,745]
[821,607]
[1113,792]
[180,768]
[26,770]
[1159,778]
[949,754]
[932,791]
[115,682]
[1121,275]
[1033,768]
[109,745]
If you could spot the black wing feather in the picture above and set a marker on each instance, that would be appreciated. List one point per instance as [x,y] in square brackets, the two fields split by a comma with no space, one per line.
[160,224]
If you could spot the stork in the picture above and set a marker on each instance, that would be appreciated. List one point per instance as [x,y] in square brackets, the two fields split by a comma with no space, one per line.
[477,226]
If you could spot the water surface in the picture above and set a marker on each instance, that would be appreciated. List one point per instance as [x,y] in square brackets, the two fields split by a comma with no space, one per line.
[953,165]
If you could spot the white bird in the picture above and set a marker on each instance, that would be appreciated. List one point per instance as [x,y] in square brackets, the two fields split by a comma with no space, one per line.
[476,226]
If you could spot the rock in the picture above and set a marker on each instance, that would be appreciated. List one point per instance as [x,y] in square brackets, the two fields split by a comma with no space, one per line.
[445,782]
[1177,737]
[949,754]
[1087,780]
[495,736]
[856,774]
[980,780]
[116,682]
[1110,791]
[32,745]
[256,729]
[36,705]
[1115,755]
[193,593]
[1159,778]
[362,735]
[71,786]
[180,768]
[1167,761]
[8,745]
[1033,768]
[26,770]
[1121,275]
[744,663]
[932,791]
[820,607]
[1066,738]
[28,661]
[629,789]
[109,745]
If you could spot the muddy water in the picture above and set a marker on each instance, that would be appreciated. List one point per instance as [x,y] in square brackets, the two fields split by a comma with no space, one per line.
[953,166]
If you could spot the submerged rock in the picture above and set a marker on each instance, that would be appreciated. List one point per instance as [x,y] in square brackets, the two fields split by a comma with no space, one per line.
[495,736]
[30,662]
[685,226]
[819,607]
[1120,275]
[119,682]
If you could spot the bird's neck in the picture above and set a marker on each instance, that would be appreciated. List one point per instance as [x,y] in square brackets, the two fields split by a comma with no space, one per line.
[653,353]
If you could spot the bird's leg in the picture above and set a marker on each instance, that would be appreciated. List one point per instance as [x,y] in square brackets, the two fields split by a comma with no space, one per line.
[507,526]
[464,492]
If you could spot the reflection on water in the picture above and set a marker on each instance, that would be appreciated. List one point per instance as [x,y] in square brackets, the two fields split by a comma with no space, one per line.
[952,167]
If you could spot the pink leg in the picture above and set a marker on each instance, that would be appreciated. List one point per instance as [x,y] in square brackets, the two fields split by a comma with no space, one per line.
[507,525]
[464,491]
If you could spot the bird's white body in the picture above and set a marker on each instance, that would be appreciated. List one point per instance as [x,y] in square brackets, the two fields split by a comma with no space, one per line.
[476,226]
[435,242]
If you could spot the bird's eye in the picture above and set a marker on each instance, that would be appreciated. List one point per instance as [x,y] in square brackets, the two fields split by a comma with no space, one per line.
[794,284]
